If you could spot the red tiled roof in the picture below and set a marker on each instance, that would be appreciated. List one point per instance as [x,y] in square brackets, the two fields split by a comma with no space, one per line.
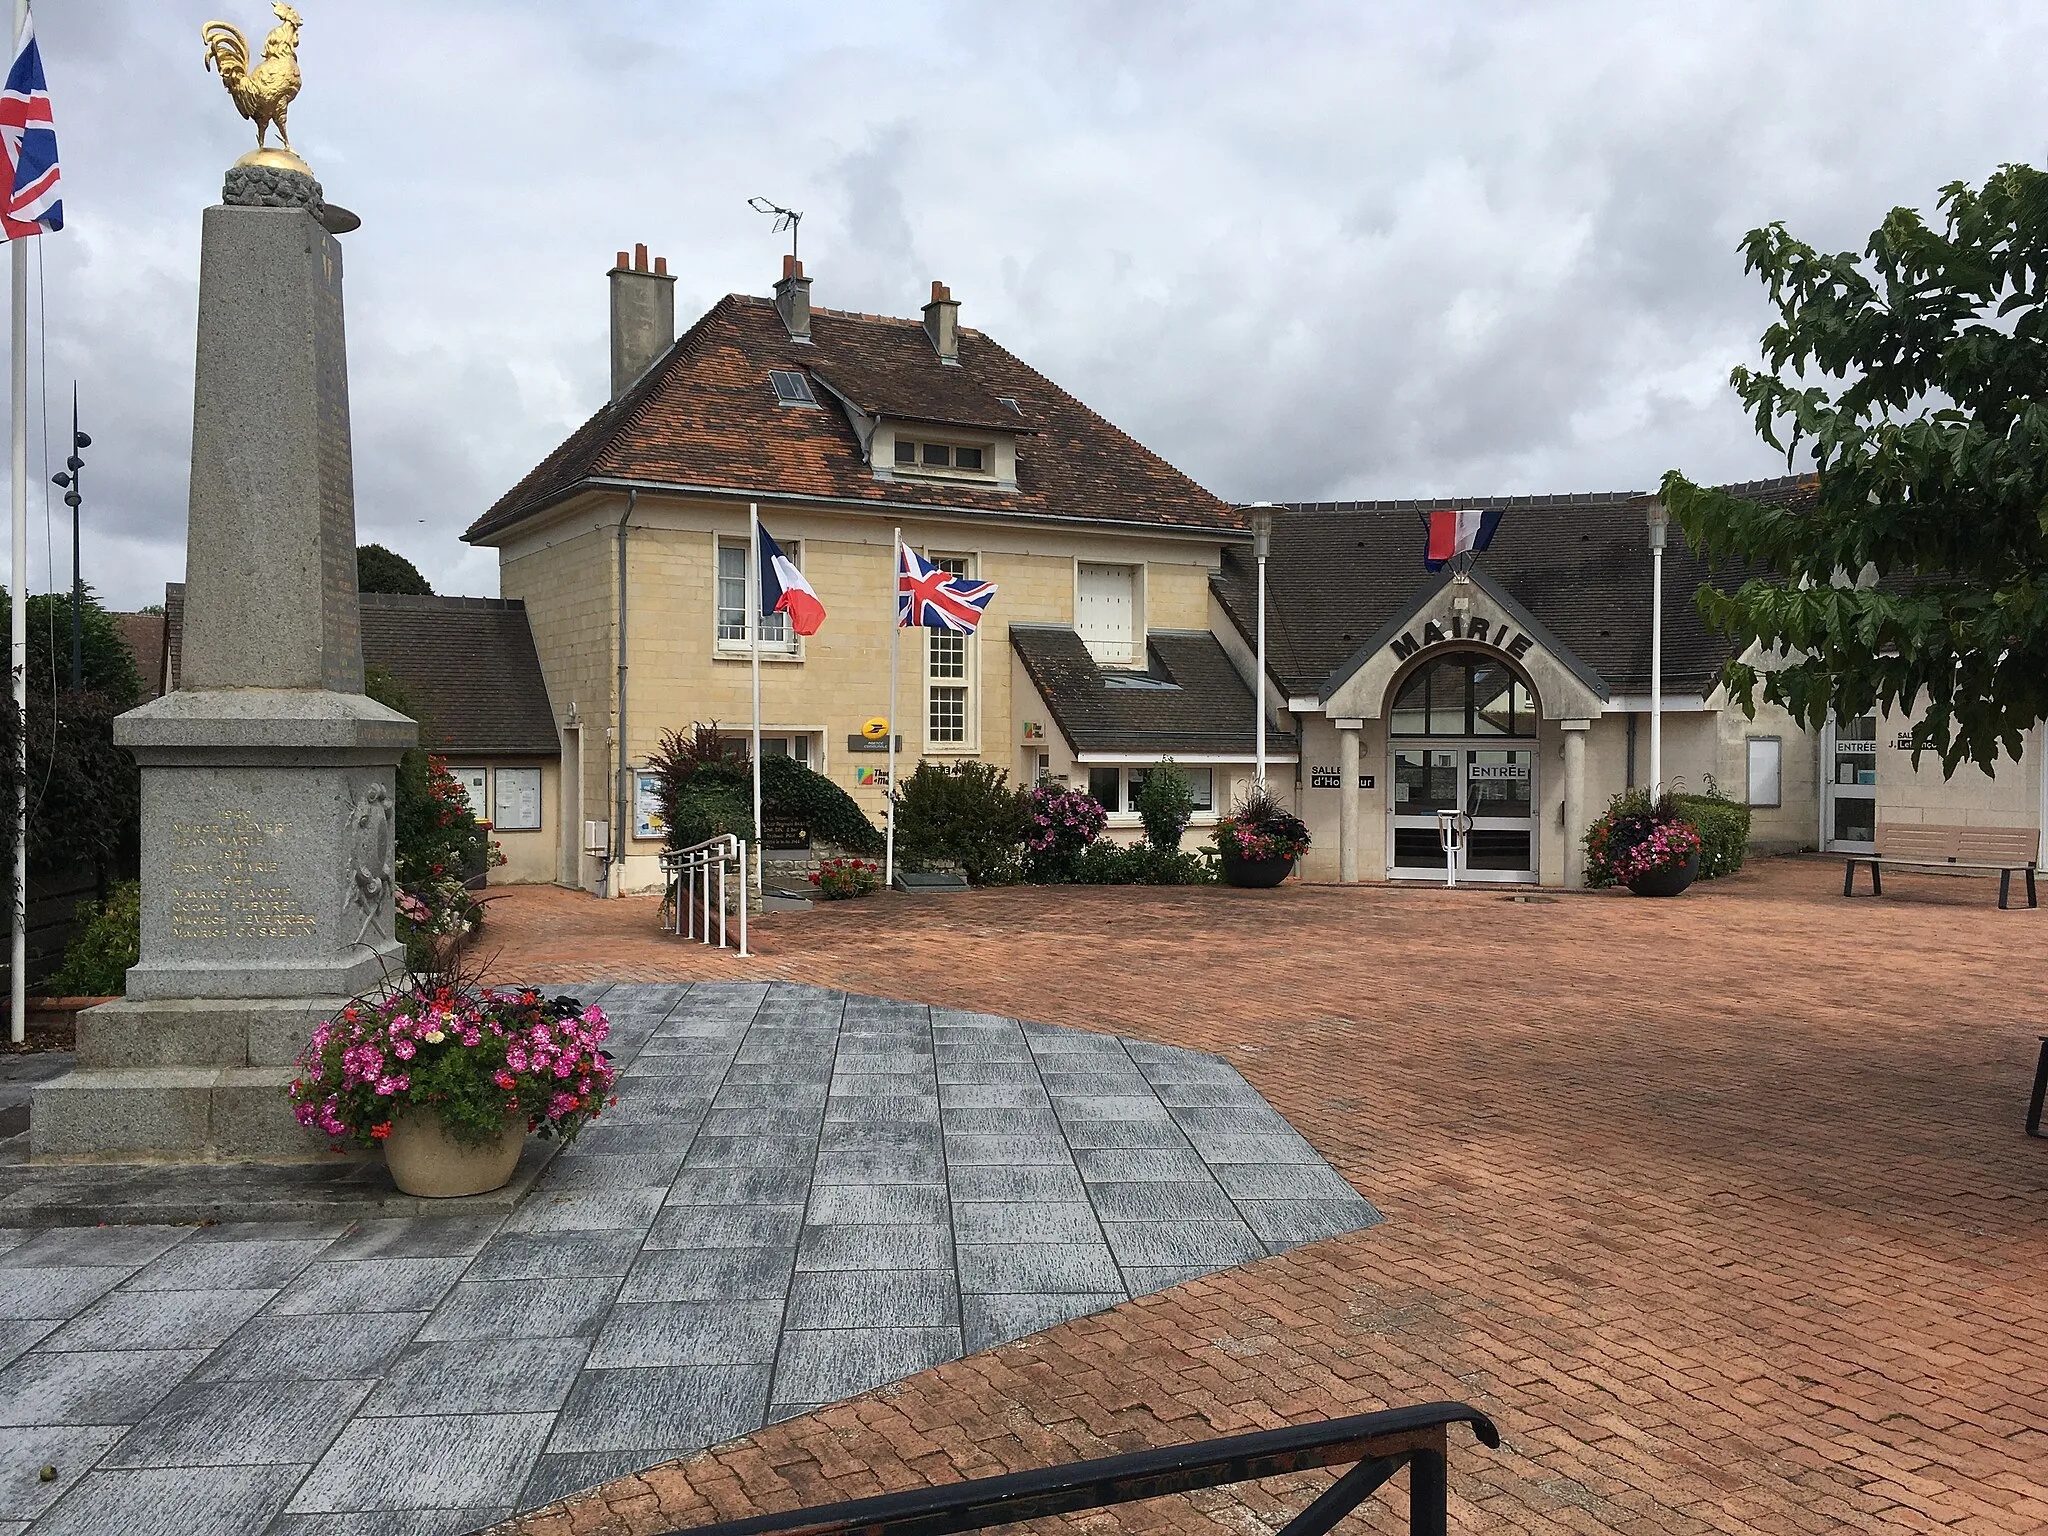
[706,416]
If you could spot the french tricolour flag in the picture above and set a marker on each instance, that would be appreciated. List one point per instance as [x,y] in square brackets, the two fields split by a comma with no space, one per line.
[34,203]
[1457,533]
[784,590]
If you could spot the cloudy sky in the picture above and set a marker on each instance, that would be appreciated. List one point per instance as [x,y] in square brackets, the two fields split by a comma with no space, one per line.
[1302,250]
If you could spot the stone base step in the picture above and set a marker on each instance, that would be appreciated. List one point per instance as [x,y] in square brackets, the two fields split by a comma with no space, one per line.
[200,1032]
[169,1114]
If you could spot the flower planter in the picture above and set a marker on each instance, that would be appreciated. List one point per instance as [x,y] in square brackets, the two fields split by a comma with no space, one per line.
[1669,880]
[425,1160]
[1255,874]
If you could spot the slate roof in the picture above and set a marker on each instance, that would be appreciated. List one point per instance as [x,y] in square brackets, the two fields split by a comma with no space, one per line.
[470,661]
[1581,564]
[1205,706]
[706,417]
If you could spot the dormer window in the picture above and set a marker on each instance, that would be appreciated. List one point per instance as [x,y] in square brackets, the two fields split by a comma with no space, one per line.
[940,458]
[792,388]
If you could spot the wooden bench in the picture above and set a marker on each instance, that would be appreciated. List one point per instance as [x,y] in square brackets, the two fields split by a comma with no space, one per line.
[1954,850]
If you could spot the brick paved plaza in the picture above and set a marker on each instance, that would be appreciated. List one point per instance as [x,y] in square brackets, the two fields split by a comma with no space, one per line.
[1721,1206]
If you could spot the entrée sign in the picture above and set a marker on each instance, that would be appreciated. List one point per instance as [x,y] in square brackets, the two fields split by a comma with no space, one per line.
[1472,629]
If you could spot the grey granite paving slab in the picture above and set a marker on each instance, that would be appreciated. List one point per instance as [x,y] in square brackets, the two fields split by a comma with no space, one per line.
[869,1299]
[344,1347]
[669,1333]
[223,1501]
[56,1291]
[726,1226]
[522,1309]
[18,1334]
[987,1321]
[873,1248]
[90,1386]
[419,1237]
[227,1266]
[555,1255]
[95,1247]
[159,1320]
[708,1274]
[649,1408]
[799,1197]
[418,1464]
[370,1285]
[391,1522]
[241,1423]
[478,1376]
[71,1449]
[825,1365]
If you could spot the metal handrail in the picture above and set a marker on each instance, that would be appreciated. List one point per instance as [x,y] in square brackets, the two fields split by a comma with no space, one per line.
[686,874]
[1379,1445]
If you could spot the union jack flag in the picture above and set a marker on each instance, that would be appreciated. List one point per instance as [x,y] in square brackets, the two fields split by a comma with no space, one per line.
[34,205]
[929,598]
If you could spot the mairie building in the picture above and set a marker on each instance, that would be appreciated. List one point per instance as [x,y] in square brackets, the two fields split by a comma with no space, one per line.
[1513,687]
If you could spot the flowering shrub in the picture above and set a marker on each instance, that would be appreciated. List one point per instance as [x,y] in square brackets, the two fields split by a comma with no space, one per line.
[1635,837]
[839,879]
[474,1058]
[1259,827]
[1060,823]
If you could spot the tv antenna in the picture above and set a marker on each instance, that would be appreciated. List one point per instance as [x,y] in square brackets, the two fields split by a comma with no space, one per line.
[785,218]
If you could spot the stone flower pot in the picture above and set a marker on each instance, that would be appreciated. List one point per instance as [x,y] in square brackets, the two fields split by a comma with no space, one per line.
[1669,880]
[425,1160]
[1255,874]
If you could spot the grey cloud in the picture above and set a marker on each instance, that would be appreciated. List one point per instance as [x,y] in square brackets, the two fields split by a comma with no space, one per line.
[1313,250]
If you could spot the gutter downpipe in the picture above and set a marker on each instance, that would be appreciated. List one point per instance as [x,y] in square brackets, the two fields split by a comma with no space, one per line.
[618,882]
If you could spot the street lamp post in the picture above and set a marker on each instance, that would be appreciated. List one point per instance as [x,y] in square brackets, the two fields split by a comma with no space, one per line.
[68,477]
[1659,520]
[1262,546]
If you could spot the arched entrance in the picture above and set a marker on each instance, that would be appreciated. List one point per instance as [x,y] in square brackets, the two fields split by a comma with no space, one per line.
[1461,736]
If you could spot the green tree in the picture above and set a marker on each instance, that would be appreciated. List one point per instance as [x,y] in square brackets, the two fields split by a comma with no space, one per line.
[381,570]
[109,666]
[1913,381]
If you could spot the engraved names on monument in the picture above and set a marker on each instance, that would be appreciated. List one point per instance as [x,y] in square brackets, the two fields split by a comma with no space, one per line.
[228,882]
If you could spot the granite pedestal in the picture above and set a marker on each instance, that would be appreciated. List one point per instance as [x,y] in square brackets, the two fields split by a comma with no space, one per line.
[267,792]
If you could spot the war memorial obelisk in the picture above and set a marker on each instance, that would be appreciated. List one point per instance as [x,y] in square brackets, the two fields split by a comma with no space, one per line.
[267,793]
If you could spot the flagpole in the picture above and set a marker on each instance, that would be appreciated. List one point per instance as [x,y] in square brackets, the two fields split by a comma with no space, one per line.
[17,976]
[895,632]
[754,627]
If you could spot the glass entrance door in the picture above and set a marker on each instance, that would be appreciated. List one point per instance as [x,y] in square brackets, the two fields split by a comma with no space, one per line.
[1495,785]
[1852,785]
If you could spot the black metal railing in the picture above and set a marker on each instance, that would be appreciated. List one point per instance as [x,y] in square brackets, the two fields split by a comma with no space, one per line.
[1377,1445]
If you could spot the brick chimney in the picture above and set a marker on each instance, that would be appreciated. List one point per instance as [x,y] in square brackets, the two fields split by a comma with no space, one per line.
[793,299]
[942,324]
[643,316]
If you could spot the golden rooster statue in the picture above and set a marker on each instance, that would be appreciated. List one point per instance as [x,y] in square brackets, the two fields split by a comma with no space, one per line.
[264,93]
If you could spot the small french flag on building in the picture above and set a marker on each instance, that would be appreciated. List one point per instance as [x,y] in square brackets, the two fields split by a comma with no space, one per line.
[784,590]
[1457,533]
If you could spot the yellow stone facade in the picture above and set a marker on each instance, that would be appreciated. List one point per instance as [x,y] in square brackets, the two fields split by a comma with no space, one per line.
[565,567]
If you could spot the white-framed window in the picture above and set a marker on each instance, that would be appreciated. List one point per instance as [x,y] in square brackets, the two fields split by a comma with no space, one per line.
[731,598]
[949,675]
[1106,612]
[921,456]
[1766,771]
[1115,788]
[802,747]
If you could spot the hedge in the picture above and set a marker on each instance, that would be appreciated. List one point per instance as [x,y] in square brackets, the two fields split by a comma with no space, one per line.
[1723,827]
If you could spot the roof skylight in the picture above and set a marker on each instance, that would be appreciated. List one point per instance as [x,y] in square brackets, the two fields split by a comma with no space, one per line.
[791,387]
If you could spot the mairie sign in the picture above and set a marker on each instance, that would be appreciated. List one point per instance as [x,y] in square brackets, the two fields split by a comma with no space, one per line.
[1471,629]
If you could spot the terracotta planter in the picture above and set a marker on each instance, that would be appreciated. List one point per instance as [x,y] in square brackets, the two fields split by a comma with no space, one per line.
[425,1160]
[1255,874]
[1669,880]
